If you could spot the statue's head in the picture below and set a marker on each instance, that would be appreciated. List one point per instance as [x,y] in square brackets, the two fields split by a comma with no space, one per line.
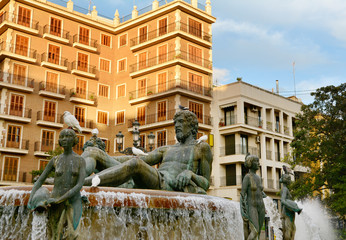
[185,123]
[285,179]
[251,162]
[68,137]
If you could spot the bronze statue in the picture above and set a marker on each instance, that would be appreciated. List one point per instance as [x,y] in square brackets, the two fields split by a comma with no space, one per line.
[251,200]
[288,208]
[64,204]
[185,166]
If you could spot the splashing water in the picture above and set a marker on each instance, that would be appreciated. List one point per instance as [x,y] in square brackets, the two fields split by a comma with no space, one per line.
[180,217]
[274,215]
[313,223]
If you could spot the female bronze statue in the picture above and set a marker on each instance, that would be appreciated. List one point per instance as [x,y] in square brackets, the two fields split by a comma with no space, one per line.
[64,204]
[251,200]
[288,209]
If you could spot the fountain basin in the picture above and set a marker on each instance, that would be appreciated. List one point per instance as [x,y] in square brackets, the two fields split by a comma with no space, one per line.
[117,213]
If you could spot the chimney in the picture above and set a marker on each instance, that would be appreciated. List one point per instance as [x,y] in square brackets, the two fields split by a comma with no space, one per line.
[277,86]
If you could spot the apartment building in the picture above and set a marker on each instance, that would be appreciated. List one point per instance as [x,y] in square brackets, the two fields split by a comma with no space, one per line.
[106,72]
[248,119]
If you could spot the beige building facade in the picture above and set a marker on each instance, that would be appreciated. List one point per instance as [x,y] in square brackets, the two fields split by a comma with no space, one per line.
[249,119]
[106,72]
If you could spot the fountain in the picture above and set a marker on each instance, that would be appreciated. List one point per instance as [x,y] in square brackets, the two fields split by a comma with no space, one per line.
[116,213]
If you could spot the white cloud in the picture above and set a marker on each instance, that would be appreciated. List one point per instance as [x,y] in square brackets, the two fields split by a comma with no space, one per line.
[221,76]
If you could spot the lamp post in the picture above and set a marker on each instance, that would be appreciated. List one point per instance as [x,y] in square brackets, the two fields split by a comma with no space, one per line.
[135,133]
[151,141]
[120,139]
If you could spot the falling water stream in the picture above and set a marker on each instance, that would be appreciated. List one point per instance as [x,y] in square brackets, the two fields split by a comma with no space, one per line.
[273,213]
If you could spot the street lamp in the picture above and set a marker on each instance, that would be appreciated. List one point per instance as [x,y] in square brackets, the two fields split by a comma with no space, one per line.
[120,139]
[151,138]
[135,133]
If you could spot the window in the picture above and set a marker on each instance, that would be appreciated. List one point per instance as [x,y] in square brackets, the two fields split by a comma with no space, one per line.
[105,65]
[120,117]
[244,144]
[162,26]
[229,116]
[106,141]
[43,164]
[52,82]
[82,62]
[79,113]
[78,148]
[161,111]
[53,54]
[122,65]
[121,90]
[197,109]
[141,115]
[195,28]
[195,83]
[103,90]
[19,74]
[24,16]
[123,40]
[49,111]
[17,105]
[81,86]
[84,35]
[142,140]
[162,82]
[13,136]
[105,40]
[142,63]
[10,169]
[102,117]
[143,36]
[231,175]
[142,86]
[55,26]
[47,142]
[199,134]
[161,138]
[22,45]
[163,54]
[195,55]
[230,145]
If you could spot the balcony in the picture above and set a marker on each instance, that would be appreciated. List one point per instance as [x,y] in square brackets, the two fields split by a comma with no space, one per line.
[286,130]
[170,88]
[231,181]
[270,183]
[85,43]
[83,69]
[17,52]
[49,120]
[170,59]
[269,126]
[82,96]
[19,146]
[253,121]
[171,30]
[15,113]
[52,90]
[239,149]
[269,155]
[11,176]
[43,147]
[16,82]
[50,61]
[87,125]
[18,22]
[56,34]
[154,120]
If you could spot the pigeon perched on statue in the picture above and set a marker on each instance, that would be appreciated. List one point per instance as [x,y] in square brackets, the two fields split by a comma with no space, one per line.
[138,152]
[183,108]
[95,181]
[203,138]
[71,121]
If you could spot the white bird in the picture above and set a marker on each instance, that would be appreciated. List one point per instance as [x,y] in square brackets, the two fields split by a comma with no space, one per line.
[138,152]
[203,138]
[95,132]
[71,121]
[95,181]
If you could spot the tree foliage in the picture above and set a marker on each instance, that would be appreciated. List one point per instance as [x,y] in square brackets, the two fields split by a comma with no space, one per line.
[319,145]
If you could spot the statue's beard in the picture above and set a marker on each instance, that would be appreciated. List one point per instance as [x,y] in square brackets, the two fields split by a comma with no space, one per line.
[181,137]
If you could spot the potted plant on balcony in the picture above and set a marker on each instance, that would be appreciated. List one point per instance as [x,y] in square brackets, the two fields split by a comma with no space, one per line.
[92,97]
[221,123]
[72,94]
[149,93]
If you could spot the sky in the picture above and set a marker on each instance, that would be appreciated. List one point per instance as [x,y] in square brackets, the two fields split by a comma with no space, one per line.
[260,40]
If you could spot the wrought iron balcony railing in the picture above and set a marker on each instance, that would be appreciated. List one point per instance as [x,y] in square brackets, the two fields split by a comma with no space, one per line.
[18,49]
[49,57]
[16,142]
[83,67]
[18,80]
[19,19]
[153,118]
[79,93]
[56,31]
[170,85]
[50,117]
[44,146]
[238,149]
[17,110]
[77,38]
[52,87]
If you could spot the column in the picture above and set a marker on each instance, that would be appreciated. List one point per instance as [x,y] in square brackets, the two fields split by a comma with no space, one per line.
[289,125]
[272,148]
[281,147]
[240,111]
[281,119]
[264,117]
[238,173]
[272,118]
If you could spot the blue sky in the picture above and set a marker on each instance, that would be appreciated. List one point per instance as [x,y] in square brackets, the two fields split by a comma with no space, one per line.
[260,40]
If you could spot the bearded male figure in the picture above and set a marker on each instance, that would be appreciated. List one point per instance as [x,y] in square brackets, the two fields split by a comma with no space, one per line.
[185,166]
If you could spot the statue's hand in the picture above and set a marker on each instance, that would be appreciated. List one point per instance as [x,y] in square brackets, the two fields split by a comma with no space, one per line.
[183,179]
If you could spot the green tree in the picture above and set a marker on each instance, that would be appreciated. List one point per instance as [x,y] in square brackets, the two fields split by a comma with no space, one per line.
[319,144]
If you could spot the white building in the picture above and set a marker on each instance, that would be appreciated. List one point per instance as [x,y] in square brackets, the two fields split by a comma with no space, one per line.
[249,119]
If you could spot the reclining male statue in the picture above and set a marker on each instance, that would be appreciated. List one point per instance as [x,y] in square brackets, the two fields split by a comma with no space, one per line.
[185,166]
